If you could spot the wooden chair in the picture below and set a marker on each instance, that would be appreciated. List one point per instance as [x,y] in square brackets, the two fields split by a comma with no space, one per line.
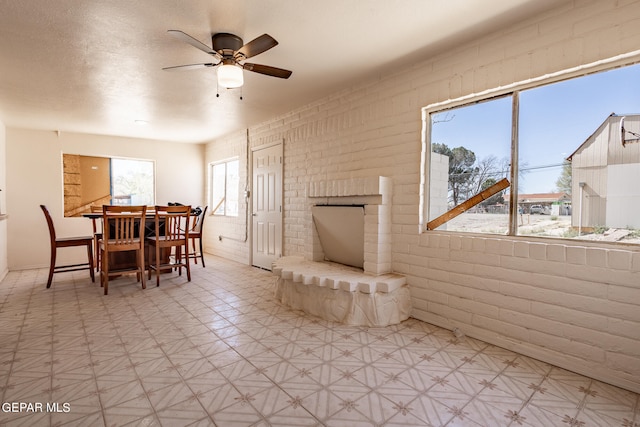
[195,232]
[67,242]
[97,235]
[170,225]
[123,230]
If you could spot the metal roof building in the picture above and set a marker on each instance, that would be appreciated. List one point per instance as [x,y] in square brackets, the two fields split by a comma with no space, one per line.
[605,172]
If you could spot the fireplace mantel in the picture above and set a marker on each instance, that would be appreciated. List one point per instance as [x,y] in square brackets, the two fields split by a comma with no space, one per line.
[352,187]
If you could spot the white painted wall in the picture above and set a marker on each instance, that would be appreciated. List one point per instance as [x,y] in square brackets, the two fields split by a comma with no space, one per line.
[569,303]
[439,186]
[34,177]
[4,266]
[623,196]
[228,236]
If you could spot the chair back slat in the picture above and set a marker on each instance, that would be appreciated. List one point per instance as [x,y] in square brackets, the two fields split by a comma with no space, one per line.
[171,222]
[124,229]
[123,225]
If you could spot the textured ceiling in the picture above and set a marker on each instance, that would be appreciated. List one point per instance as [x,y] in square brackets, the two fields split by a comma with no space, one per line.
[96,66]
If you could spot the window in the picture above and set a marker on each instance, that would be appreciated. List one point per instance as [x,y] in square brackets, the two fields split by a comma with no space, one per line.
[132,182]
[97,181]
[575,161]
[470,150]
[225,184]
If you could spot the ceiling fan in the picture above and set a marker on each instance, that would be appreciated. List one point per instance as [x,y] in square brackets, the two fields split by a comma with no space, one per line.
[230,54]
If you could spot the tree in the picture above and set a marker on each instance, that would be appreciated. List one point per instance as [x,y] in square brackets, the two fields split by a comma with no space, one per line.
[486,169]
[496,198]
[563,183]
[461,170]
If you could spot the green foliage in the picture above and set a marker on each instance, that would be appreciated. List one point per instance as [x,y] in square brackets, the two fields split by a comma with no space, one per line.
[570,233]
[461,170]
[496,198]
[633,232]
[563,183]
[600,229]
[469,176]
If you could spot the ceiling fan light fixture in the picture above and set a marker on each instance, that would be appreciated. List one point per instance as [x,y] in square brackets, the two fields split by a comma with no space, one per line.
[230,76]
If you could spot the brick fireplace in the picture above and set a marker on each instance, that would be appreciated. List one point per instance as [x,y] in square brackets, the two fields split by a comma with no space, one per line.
[375,194]
[368,296]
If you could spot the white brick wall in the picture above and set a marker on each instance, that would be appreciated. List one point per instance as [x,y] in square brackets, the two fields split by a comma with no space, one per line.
[576,305]
[233,229]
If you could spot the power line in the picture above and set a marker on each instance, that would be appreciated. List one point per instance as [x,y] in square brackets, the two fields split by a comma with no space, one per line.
[506,172]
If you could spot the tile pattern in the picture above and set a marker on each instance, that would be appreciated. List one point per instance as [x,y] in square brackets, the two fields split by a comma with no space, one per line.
[221,351]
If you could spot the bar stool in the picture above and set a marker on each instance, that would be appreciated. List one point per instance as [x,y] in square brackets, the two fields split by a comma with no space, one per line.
[97,235]
[67,242]
[123,230]
[196,233]
[171,231]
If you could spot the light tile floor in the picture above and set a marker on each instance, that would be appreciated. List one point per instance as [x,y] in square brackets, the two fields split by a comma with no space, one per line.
[220,351]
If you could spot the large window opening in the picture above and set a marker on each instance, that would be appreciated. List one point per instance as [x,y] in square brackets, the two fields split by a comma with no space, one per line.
[470,151]
[131,182]
[575,145]
[96,181]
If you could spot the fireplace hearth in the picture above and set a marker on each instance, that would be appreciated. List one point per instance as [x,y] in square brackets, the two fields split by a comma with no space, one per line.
[345,275]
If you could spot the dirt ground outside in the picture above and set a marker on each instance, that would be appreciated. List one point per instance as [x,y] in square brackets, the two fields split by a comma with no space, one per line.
[536,225]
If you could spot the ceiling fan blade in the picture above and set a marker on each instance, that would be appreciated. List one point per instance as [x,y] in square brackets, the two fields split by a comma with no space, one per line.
[188,67]
[193,42]
[257,46]
[269,71]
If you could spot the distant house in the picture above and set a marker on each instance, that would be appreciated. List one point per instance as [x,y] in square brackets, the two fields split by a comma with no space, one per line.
[555,203]
[605,175]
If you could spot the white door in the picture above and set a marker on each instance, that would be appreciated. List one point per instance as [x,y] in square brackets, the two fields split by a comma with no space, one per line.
[267,206]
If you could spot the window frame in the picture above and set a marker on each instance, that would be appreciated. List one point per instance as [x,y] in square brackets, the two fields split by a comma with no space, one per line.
[76,211]
[212,188]
[514,91]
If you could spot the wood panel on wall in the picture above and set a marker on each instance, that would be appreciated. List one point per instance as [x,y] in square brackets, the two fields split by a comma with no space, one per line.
[86,181]
[96,179]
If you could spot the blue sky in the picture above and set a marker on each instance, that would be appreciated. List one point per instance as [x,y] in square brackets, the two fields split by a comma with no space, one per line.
[554,120]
